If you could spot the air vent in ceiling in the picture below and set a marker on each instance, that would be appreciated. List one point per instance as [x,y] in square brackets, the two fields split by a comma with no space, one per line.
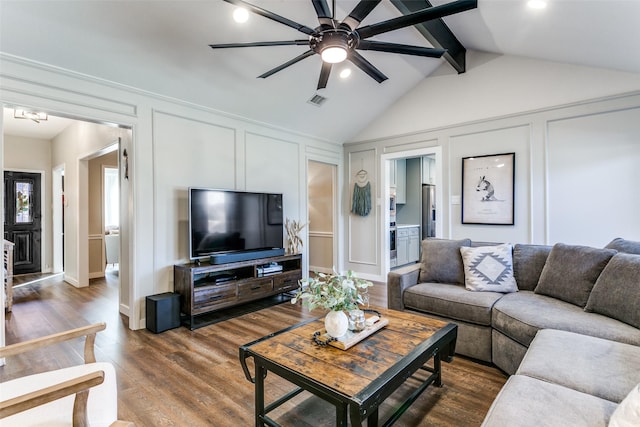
[317,100]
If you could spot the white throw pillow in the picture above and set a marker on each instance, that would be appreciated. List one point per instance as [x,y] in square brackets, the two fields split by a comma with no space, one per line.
[627,414]
[489,268]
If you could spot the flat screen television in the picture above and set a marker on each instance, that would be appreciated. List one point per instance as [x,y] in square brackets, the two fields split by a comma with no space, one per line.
[225,222]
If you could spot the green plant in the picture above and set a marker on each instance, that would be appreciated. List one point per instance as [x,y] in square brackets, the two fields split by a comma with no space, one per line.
[333,291]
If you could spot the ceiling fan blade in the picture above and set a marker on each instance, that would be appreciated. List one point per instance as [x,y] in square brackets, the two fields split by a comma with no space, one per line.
[324,75]
[258,44]
[286,64]
[403,49]
[324,13]
[367,67]
[414,18]
[274,17]
[359,12]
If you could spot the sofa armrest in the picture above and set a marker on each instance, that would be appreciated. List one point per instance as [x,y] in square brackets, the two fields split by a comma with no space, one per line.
[398,281]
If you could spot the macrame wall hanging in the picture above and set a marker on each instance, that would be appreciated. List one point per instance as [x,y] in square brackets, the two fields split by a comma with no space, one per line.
[361,202]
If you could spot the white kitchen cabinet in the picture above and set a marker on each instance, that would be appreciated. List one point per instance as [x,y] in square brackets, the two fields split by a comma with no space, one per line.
[402,245]
[414,244]
[428,170]
[408,244]
[401,181]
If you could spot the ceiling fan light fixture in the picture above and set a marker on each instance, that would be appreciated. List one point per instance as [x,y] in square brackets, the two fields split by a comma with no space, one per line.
[31,115]
[334,54]
[332,45]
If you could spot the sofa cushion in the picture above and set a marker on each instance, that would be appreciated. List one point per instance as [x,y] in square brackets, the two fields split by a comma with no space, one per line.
[627,414]
[602,368]
[521,314]
[452,301]
[570,272]
[626,246]
[527,402]
[617,291]
[528,262]
[489,268]
[441,261]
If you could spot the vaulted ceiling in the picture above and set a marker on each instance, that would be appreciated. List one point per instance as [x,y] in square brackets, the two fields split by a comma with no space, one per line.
[162,47]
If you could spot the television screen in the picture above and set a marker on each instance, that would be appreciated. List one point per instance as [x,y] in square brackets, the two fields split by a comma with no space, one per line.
[223,221]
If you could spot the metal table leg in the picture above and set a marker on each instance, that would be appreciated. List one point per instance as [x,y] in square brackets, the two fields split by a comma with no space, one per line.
[259,394]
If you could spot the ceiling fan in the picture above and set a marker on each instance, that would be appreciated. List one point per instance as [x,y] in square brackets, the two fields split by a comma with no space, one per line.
[336,41]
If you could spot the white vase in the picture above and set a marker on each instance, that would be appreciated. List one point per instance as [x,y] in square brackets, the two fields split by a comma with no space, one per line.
[336,323]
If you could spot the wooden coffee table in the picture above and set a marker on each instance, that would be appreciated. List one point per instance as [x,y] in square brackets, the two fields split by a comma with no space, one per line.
[356,381]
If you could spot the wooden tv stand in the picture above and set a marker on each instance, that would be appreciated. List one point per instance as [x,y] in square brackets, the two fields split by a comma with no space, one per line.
[206,287]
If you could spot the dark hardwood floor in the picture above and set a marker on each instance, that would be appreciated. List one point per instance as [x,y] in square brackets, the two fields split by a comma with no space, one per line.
[193,378]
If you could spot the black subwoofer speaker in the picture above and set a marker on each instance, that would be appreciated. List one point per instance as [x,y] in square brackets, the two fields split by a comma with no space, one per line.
[163,312]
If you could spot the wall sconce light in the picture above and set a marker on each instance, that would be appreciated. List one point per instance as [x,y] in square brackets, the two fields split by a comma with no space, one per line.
[31,115]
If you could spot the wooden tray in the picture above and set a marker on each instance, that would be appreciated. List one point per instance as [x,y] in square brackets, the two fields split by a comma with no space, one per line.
[352,338]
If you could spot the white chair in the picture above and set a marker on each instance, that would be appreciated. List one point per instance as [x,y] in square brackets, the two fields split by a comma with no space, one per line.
[112,248]
[82,395]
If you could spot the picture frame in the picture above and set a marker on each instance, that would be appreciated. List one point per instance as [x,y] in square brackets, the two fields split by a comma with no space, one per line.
[488,189]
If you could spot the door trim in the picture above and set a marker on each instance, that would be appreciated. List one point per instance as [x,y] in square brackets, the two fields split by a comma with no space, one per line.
[57,238]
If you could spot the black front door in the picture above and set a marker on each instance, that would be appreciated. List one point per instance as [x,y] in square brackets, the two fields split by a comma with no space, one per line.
[22,219]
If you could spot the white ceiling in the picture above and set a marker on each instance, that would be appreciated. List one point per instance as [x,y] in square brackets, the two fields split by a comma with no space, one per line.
[162,47]
[45,129]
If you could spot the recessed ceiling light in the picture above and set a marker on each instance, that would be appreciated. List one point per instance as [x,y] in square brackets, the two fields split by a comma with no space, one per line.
[537,4]
[345,73]
[241,15]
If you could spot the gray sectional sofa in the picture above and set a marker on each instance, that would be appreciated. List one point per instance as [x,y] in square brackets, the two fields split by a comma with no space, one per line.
[569,336]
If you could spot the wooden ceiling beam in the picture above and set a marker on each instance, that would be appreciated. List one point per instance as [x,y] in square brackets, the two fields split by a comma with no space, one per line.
[437,33]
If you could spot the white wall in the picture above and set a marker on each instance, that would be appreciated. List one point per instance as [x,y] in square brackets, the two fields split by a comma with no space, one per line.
[575,132]
[165,156]
[365,246]
[34,155]
[593,177]
[191,153]
[494,86]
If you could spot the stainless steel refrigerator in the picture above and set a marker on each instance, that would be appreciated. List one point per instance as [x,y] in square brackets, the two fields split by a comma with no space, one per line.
[428,211]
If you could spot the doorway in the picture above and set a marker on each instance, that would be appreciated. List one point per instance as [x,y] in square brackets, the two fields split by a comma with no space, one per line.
[111,216]
[99,230]
[322,211]
[59,147]
[413,192]
[23,219]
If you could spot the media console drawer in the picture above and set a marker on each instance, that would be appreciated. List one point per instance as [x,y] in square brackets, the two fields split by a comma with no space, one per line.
[286,281]
[215,294]
[254,287]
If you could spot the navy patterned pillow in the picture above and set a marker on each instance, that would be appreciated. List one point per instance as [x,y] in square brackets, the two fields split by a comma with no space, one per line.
[489,268]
